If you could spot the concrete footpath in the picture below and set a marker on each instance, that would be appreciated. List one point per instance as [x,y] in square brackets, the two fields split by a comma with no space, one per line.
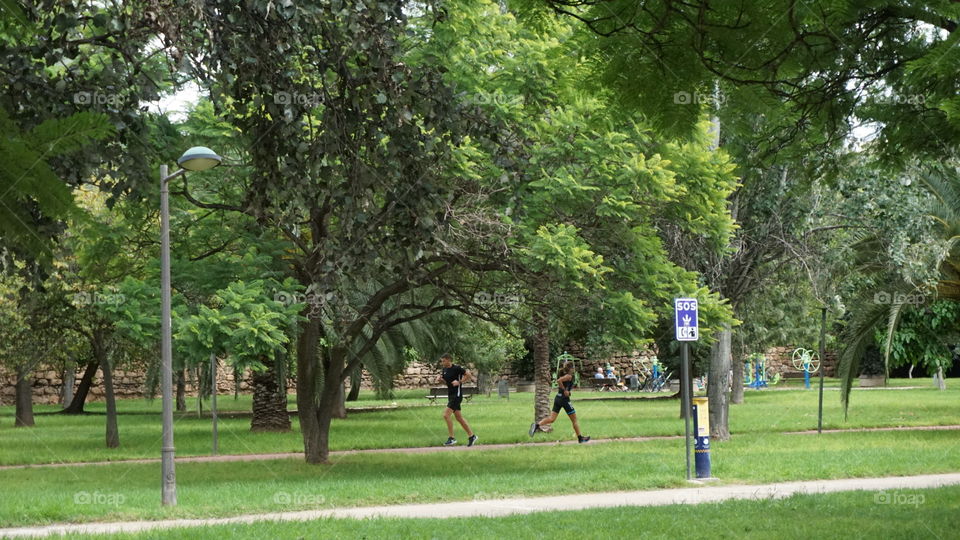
[525,505]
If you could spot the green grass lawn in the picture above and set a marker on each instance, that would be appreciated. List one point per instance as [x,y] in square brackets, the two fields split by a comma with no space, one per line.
[131,491]
[933,513]
[58,438]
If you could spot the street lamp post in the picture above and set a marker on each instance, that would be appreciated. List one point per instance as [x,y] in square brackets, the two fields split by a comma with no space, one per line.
[197,158]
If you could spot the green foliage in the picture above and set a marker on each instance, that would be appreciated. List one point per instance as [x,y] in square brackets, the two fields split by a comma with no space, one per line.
[33,197]
[243,322]
[925,336]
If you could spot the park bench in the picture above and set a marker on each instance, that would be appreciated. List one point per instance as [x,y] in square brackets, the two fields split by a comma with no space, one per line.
[597,384]
[441,391]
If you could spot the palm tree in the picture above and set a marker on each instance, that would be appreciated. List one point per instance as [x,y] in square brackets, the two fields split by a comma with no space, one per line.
[884,302]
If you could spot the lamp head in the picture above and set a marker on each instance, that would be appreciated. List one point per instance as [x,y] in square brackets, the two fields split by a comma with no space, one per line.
[199,158]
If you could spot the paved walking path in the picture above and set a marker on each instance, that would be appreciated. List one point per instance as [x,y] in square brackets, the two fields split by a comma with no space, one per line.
[431,449]
[524,505]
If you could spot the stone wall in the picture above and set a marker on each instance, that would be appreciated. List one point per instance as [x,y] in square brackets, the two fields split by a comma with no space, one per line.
[131,383]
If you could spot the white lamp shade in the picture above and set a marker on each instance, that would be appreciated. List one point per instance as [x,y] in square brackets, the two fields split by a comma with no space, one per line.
[199,158]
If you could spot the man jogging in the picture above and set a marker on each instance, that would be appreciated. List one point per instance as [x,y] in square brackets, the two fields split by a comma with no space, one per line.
[455,376]
[562,401]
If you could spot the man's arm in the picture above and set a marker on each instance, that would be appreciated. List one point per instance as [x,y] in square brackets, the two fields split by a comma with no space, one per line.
[562,379]
[467,376]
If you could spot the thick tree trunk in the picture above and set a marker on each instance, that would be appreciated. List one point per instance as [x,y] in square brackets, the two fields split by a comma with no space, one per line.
[355,378]
[719,381]
[182,390]
[541,364]
[736,396]
[23,416]
[331,399]
[340,409]
[307,371]
[80,397]
[69,380]
[269,400]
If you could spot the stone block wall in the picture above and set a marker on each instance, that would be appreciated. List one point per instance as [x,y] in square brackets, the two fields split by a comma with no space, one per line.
[131,382]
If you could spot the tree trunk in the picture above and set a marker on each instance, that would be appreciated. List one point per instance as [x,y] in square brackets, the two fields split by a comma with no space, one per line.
[331,399]
[80,397]
[182,390]
[541,364]
[736,396]
[717,387]
[69,380]
[113,433]
[941,382]
[307,371]
[23,416]
[269,400]
[355,378]
[340,411]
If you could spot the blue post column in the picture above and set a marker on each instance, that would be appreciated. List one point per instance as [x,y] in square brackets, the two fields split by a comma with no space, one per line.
[701,429]
[806,375]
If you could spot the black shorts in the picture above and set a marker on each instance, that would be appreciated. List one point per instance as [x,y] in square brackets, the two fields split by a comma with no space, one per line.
[562,402]
[453,402]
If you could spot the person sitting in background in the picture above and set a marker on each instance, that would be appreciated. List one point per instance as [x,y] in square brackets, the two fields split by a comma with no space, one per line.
[599,374]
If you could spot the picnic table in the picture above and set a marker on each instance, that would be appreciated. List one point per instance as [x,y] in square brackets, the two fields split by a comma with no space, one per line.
[441,391]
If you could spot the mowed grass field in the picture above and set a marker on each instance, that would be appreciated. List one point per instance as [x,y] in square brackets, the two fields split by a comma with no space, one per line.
[761,450]
[414,423]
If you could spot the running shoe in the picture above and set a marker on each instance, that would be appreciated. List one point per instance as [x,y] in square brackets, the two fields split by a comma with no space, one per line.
[582,439]
[473,438]
[534,427]
[450,441]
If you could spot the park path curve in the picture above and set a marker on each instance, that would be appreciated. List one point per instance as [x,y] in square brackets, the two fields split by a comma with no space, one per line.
[519,505]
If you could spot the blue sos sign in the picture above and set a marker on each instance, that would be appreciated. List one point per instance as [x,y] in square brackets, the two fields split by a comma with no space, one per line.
[685,316]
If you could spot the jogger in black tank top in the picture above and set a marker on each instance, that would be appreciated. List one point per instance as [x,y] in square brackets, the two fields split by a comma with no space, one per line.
[562,401]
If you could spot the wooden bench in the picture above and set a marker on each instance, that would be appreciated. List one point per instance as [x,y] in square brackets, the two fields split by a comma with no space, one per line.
[441,391]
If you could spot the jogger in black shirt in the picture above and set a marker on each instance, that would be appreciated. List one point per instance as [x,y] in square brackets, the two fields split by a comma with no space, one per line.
[455,376]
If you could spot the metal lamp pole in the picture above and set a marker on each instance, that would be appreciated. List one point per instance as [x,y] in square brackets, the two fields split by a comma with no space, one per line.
[197,158]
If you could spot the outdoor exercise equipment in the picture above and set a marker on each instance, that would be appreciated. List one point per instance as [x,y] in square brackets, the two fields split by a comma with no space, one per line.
[577,364]
[756,373]
[808,361]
